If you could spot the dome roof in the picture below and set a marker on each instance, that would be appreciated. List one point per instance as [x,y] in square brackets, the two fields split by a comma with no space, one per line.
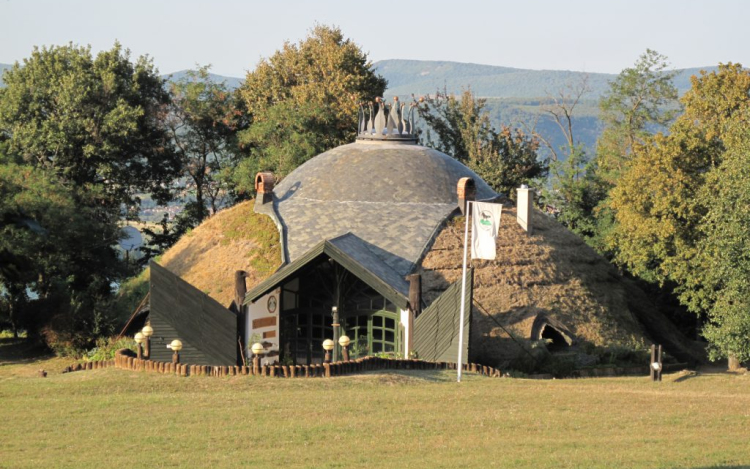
[393,196]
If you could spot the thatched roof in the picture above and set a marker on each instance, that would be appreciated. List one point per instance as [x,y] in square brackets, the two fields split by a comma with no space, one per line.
[550,277]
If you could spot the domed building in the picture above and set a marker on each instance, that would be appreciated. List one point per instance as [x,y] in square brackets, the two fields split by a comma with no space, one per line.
[370,239]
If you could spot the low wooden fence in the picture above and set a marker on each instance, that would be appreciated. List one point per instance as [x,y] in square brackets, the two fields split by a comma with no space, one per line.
[89,366]
[124,359]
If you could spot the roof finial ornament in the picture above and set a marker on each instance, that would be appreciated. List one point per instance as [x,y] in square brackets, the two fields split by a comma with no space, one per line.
[380,117]
[371,121]
[362,119]
[390,123]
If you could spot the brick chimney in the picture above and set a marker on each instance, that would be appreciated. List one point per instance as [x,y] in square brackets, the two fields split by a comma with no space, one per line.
[466,191]
[264,182]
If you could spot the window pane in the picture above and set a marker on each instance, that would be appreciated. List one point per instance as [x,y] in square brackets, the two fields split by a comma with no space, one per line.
[317,332]
[377,321]
[377,334]
[388,347]
[389,336]
[377,347]
[390,323]
[317,319]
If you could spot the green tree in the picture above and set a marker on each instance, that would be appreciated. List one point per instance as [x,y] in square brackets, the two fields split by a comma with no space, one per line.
[505,159]
[675,220]
[56,255]
[94,121]
[717,277]
[640,101]
[575,191]
[203,124]
[90,133]
[324,74]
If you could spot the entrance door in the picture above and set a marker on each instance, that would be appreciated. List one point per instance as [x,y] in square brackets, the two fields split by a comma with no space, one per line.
[373,333]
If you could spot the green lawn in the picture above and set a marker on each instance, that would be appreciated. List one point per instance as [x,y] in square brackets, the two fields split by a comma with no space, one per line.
[116,418]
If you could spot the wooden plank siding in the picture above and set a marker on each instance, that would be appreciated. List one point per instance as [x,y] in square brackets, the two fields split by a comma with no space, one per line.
[436,329]
[208,331]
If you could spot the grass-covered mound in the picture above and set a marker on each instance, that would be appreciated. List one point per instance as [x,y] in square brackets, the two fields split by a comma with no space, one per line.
[233,239]
[551,275]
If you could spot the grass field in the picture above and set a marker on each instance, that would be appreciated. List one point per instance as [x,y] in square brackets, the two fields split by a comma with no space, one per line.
[116,418]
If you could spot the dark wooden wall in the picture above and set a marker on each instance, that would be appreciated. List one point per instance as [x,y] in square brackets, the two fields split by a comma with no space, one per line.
[208,330]
[436,329]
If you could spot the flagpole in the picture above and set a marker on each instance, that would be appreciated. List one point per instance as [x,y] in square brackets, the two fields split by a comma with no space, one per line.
[460,364]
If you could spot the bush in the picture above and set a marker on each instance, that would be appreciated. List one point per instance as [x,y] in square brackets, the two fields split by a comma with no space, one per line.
[106,347]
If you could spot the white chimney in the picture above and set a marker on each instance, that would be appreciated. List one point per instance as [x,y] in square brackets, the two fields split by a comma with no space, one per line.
[525,202]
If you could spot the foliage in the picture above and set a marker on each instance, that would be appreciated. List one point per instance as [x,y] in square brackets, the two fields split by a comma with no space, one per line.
[202,121]
[505,159]
[53,259]
[302,101]
[677,217]
[96,122]
[107,346]
[640,101]
[89,134]
[717,276]
[575,191]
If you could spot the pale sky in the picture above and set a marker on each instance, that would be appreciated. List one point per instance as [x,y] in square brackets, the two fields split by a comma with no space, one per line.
[581,35]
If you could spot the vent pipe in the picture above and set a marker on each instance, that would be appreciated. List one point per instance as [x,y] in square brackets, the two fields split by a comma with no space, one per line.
[525,203]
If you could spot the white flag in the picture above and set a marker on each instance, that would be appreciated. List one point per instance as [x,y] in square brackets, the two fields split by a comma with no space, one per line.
[486,221]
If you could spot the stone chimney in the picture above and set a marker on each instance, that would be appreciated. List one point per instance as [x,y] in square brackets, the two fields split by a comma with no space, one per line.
[264,182]
[466,191]
[525,204]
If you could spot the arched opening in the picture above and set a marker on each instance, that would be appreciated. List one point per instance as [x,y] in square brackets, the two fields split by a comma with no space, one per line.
[555,339]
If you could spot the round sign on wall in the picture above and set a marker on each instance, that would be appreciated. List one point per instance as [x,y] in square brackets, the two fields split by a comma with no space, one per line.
[271,304]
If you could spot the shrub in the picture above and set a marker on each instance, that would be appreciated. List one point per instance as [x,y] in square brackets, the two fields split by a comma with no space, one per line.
[106,347]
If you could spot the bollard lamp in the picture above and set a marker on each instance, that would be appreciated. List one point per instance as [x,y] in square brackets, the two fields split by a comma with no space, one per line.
[344,342]
[328,345]
[176,346]
[139,338]
[147,332]
[257,348]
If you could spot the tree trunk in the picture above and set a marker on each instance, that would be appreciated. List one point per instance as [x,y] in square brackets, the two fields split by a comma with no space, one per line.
[734,363]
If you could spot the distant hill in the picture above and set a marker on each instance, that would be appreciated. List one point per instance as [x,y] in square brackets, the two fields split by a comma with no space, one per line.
[422,77]
[231,82]
[514,96]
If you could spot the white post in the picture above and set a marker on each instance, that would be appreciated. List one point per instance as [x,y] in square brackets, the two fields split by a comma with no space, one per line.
[460,364]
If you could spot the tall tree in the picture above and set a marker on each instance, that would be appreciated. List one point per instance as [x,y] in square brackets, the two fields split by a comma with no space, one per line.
[675,221]
[303,100]
[51,247]
[641,101]
[716,277]
[203,124]
[90,133]
[505,159]
[94,121]
[574,190]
